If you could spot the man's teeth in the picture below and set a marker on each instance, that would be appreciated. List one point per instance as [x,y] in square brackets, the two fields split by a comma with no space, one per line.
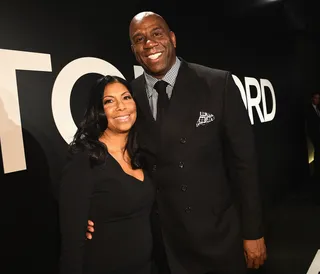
[154,56]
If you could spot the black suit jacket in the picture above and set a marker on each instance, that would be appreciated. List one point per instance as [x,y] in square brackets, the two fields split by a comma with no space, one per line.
[195,166]
[313,124]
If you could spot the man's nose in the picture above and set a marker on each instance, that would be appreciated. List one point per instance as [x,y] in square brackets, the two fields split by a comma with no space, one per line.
[150,43]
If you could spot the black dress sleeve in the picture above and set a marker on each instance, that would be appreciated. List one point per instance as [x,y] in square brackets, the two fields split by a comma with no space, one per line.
[74,203]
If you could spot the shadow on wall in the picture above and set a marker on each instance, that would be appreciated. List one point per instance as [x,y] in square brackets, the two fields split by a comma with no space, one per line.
[28,209]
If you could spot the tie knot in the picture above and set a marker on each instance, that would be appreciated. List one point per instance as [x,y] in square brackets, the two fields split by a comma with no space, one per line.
[160,86]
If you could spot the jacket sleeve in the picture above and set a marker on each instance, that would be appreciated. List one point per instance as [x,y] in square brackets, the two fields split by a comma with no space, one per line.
[74,203]
[242,160]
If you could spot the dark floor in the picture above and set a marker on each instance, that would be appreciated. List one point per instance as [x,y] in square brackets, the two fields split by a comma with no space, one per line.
[292,235]
[293,231]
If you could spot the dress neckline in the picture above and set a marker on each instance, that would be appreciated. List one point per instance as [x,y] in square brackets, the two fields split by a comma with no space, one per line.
[127,174]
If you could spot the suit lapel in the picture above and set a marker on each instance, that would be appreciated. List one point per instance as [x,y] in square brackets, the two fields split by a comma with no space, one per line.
[184,106]
[140,95]
[146,125]
[316,111]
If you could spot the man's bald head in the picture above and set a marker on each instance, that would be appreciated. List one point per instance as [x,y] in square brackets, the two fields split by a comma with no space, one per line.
[139,17]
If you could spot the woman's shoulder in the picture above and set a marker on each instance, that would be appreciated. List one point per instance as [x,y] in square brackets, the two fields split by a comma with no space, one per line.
[76,156]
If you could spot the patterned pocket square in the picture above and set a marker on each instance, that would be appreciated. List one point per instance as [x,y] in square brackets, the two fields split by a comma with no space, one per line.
[204,118]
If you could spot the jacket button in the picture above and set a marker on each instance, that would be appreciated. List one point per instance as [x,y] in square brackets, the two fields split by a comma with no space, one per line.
[184,187]
[188,209]
[154,168]
[181,164]
[183,140]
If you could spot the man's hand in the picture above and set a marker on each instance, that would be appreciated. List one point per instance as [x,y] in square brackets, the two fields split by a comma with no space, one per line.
[255,252]
[90,230]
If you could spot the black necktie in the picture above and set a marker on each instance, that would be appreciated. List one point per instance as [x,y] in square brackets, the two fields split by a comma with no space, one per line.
[163,100]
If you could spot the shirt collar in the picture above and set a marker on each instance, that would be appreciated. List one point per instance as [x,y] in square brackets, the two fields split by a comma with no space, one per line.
[170,77]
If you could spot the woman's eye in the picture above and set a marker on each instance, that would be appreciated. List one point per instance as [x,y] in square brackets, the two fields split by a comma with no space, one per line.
[128,97]
[107,101]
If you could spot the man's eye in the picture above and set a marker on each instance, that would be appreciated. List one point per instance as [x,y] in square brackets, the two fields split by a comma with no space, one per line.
[157,33]
[139,40]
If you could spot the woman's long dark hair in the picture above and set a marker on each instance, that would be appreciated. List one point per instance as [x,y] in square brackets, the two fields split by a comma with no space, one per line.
[95,122]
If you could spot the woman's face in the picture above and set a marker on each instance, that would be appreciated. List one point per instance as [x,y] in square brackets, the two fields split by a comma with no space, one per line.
[119,107]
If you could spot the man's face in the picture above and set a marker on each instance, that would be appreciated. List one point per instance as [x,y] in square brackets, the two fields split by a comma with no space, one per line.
[316,99]
[153,44]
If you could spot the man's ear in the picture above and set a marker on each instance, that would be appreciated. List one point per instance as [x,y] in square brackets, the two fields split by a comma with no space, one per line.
[173,38]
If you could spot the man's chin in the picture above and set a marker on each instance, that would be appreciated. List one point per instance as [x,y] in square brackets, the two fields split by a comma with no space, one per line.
[155,70]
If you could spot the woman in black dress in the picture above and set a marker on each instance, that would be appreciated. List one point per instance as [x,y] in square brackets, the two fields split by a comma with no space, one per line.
[103,181]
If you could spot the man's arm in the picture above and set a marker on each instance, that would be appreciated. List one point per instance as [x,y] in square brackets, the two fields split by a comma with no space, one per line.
[242,166]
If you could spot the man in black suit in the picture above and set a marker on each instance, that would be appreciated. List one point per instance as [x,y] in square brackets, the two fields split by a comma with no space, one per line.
[198,140]
[313,131]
